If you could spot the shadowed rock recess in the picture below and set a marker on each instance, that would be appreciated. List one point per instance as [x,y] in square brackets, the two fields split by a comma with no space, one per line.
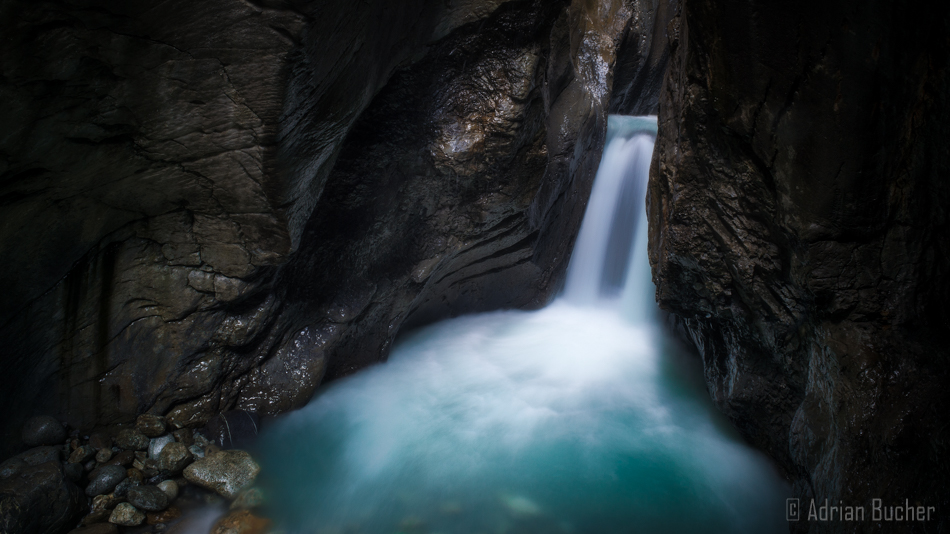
[211,205]
[798,217]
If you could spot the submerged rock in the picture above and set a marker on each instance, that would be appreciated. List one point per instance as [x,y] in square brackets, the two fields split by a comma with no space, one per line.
[226,472]
[127,515]
[98,528]
[248,499]
[241,522]
[43,430]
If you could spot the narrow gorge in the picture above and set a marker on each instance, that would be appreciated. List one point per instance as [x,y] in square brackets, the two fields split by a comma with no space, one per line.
[213,212]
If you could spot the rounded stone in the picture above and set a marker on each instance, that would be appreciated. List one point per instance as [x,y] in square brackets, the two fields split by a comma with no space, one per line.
[148,498]
[150,425]
[170,487]
[104,455]
[126,515]
[132,440]
[226,472]
[105,479]
[156,445]
[43,430]
[174,458]
[82,455]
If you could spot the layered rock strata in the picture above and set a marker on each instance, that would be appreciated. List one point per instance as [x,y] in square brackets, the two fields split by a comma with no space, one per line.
[208,205]
[798,214]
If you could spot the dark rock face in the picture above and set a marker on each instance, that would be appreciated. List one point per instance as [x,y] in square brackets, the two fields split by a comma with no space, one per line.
[40,500]
[43,430]
[798,224]
[174,240]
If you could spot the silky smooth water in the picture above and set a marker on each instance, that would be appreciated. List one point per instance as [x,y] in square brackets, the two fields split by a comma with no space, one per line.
[578,418]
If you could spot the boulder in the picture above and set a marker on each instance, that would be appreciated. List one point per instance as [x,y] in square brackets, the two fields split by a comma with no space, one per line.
[126,515]
[226,472]
[148,498]
[40,499]
[30,458]
[105,479]
[43,430]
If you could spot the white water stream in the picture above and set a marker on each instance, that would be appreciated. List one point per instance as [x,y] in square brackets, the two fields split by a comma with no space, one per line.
[578,418]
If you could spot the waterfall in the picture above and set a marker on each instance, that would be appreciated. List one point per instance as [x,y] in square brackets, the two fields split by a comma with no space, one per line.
[577,418]
[605,247]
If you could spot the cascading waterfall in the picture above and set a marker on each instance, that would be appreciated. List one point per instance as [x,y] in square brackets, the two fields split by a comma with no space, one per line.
[578,418]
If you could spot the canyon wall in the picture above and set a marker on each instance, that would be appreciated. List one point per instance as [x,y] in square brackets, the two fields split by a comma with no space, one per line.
[212,205]
[798,214]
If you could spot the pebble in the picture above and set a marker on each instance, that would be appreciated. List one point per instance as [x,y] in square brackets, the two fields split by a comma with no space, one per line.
[123,458]
[132,440]
[82,455]
[104,455]
[226,472]
[104,502]
[122,489]
[105,479]
[157,444]
[148,498]
[170,487]
[126,515]
[43,430]
[174,458]
[151,425]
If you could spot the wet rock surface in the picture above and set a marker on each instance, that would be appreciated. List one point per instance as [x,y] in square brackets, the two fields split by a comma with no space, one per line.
[192,153]
[148,498]
[42,430]
[40,499]
[126,515]
[797,189]
[226,472]
[105,479]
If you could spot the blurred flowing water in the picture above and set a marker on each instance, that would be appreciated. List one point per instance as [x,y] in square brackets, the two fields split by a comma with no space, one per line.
[578,418]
